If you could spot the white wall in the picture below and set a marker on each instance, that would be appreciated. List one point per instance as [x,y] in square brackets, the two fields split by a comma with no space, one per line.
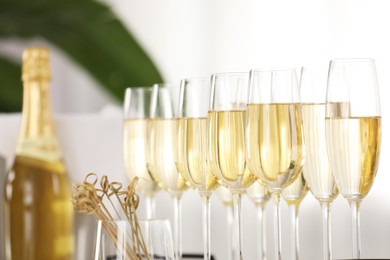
[197,38]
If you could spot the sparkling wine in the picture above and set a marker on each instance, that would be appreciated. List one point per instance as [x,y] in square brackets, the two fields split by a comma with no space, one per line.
[38,209]
[136,152]
[227,149]
[353,145]
[164,155]
[275,151]
[192,154]
[316,169]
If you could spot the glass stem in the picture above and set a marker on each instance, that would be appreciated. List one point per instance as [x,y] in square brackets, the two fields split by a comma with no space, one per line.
[355,214]
[261,232]
[150,207]
[206,227]
[230,246]
[277,224]
[326,231]
[237,225]
[177,227]
[294,209]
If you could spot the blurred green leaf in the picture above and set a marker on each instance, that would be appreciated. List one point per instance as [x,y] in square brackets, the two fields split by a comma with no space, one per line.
[89,32]
[11,86]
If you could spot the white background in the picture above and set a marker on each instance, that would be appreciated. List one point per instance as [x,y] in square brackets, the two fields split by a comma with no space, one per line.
[197,38]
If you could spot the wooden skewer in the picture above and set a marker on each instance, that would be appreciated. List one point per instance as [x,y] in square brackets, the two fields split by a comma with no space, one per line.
[87,201]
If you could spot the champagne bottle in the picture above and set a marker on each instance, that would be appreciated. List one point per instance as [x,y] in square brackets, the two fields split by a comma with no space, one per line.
[38,209]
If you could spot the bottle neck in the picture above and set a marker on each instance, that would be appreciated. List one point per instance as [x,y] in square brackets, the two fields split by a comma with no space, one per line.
[37,135]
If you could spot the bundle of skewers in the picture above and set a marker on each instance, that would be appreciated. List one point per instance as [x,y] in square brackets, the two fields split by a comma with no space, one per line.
[109,201]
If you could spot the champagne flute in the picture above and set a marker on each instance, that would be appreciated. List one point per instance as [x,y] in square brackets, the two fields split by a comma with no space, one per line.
[316,169]
[193,107]
[353,132]
[274,139]
[135,143]
[227,199]
[293,195]
[164,146]
[259,195]
[226,146]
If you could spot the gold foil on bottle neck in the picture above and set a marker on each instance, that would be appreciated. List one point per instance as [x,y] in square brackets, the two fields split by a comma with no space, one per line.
[36,64]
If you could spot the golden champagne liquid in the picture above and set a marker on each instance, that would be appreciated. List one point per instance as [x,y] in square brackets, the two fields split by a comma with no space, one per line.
[275,143]
[296,191]
[316,169]
[192,154]
[353,145]
[164,155]
[226,156]
[38,209]
[136,153]
[258,193]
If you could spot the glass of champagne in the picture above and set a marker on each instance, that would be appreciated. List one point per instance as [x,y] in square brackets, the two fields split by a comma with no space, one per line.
[316,169]
[226,146]
[274,139]
[225,196]
[293,195]
[193,108]
[163,134]
[259,195]
[136,121]
[353,132]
